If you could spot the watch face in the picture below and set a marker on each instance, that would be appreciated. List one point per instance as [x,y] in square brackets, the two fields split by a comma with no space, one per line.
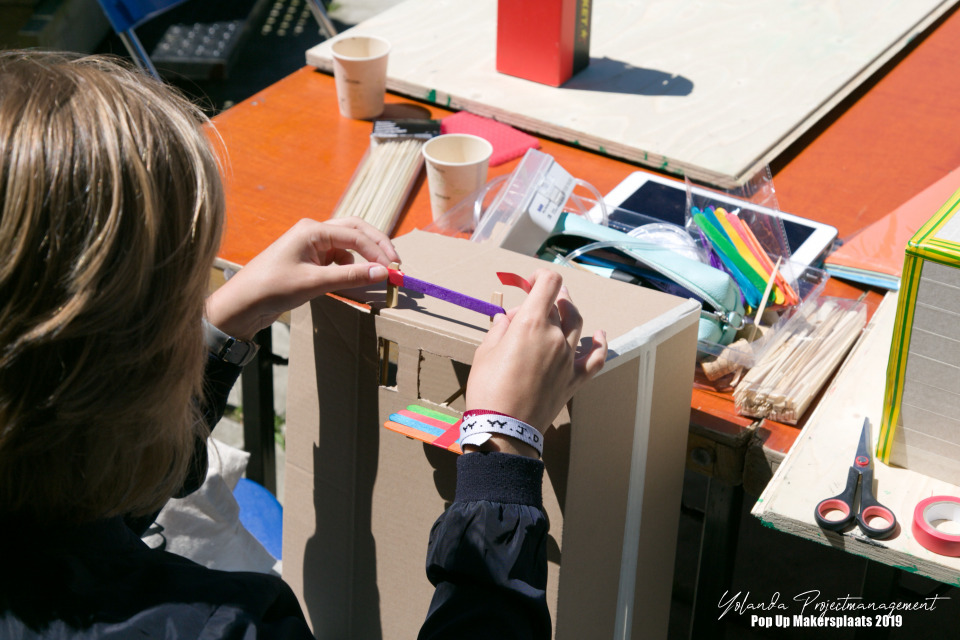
[227,348]
[240,352]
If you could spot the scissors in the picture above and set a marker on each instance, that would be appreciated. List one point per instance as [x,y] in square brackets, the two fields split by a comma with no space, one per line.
[860,476]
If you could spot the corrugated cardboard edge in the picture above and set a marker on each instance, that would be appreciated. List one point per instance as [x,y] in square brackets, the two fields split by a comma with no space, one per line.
[652,333]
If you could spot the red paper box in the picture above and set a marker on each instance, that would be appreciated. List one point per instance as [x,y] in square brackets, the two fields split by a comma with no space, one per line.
[546,41]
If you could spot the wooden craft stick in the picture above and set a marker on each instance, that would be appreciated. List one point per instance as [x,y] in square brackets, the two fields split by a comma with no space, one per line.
[791,297]
[766,292]
[392,289]
[392,299]
[497,300]
[400,279]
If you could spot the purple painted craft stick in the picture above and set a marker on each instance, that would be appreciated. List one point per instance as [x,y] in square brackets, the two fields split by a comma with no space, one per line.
[455,297]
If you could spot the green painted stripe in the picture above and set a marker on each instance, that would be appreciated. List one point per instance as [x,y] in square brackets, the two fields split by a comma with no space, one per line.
[939,251]
[896,368]
[430,413]
[931,226]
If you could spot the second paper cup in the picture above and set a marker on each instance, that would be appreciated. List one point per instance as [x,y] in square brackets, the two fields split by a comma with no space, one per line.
[456,167]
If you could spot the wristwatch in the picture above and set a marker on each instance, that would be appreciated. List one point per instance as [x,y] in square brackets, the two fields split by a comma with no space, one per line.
[228,348]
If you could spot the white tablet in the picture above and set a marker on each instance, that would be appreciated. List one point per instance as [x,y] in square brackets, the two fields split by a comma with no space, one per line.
[665,199]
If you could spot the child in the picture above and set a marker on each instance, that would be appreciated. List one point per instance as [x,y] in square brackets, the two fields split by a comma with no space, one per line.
[111,208]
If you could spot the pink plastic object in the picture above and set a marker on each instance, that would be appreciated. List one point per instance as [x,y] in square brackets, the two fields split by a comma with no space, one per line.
[508,143]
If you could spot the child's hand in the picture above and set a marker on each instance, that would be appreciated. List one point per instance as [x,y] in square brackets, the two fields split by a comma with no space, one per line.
[312,258]
[527,366]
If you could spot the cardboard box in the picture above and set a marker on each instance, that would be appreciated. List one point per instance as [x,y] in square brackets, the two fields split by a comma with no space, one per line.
[360,500]
[920,427]
[545,41]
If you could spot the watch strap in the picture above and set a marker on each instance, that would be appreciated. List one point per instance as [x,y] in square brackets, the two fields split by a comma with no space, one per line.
[226,347]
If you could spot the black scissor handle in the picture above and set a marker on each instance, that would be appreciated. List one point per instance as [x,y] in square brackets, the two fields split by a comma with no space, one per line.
[842,502]
[832,504]
[870,508]
[876,511]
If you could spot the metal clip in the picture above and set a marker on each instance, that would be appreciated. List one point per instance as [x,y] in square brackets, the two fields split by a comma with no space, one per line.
[729,318]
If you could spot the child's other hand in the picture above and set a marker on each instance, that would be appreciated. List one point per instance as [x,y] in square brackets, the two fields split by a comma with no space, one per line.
[527,365]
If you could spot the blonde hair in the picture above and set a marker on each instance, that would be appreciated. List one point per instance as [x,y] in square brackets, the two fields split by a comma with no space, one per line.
[111,206]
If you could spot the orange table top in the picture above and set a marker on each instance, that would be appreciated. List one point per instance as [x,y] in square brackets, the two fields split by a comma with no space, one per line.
[291,155]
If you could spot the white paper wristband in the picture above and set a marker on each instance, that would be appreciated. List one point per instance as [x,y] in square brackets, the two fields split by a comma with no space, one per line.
[477,427]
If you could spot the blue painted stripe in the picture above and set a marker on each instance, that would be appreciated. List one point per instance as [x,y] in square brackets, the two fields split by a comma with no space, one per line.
[415,424]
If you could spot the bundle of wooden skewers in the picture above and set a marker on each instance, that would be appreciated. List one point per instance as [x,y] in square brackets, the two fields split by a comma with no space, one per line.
[799,359]
[384,178]
[379,188]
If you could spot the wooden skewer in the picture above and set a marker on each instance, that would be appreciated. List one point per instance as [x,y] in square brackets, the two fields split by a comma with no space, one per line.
[794,369]
[377,190]
[752,332]
[497,300]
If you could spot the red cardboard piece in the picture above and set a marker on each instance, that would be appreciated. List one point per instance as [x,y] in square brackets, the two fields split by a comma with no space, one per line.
[545,41]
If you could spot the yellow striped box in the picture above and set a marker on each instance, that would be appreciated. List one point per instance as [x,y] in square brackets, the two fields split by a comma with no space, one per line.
[920,427]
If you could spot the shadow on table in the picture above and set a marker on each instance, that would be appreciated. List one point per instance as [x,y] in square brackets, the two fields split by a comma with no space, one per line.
[614,76]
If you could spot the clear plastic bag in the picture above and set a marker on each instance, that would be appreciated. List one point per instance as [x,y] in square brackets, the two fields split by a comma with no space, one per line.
[742,234]
[801,358]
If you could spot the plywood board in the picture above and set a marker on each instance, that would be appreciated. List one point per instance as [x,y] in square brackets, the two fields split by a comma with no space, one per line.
[816,466]
[713,90]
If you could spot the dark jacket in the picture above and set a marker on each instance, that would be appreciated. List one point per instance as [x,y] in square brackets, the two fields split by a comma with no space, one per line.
[486,557]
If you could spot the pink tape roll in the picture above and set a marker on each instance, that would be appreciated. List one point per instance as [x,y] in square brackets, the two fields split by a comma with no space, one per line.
[933,509]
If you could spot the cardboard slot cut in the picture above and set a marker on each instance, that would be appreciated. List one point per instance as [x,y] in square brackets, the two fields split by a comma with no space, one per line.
[442,381]
[388,363]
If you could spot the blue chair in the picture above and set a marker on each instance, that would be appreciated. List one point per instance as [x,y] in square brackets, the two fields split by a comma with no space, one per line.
[320,14]
[261,514]
[127,15]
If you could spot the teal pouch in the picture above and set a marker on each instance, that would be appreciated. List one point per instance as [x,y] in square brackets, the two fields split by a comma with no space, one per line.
[720,323]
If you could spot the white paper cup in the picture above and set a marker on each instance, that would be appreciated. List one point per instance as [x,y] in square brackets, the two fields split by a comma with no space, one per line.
[360,73]
[456,167]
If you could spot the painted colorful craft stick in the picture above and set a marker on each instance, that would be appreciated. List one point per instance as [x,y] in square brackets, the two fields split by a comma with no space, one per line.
[733,230]
[400,279]
[440,425]
[430,413]
[420,423]
[410,432]
[427,426]
[751,284]
[416,434]
[787,292]
[450,440]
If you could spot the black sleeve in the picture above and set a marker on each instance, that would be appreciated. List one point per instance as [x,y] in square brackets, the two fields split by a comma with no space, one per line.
[487,555]
[218,378]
